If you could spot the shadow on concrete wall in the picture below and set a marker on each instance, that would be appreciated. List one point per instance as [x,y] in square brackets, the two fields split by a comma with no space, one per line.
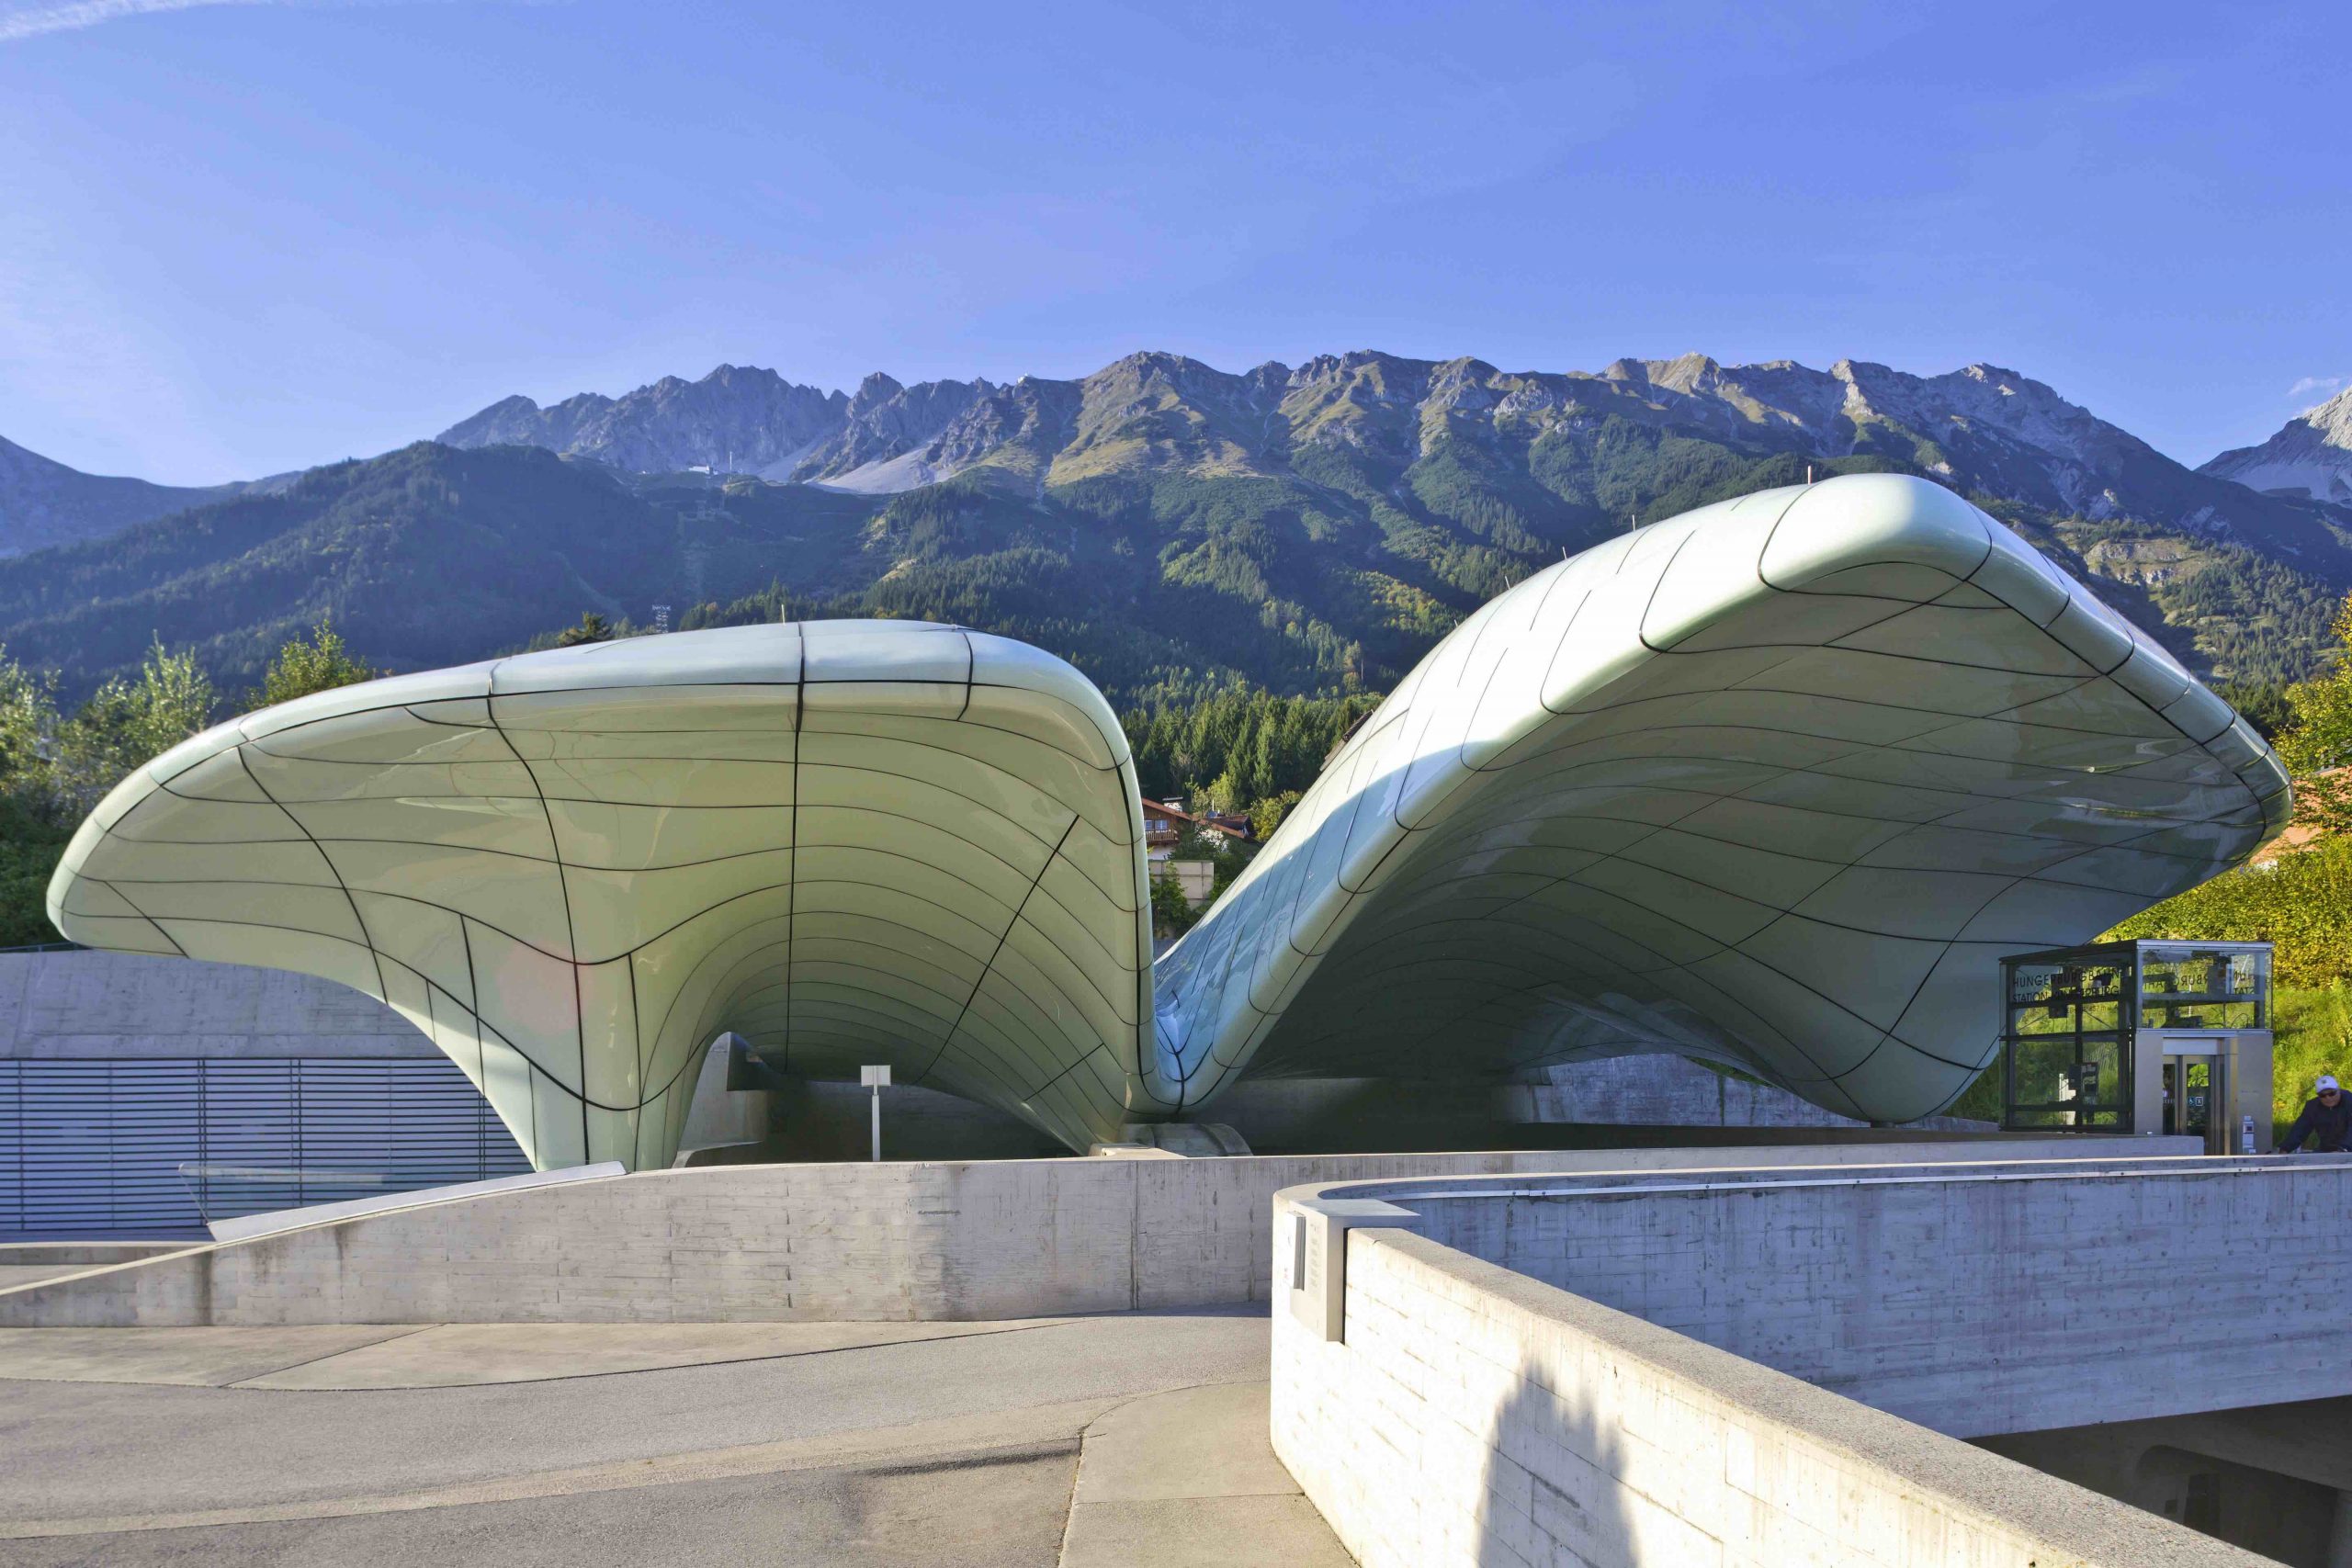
[1552,1486]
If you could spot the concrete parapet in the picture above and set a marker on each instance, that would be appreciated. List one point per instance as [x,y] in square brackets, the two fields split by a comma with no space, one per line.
[892,1242]
[1975,1300]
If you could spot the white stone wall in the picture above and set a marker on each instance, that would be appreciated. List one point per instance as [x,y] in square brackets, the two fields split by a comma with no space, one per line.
[891,1242]
[1474,1416]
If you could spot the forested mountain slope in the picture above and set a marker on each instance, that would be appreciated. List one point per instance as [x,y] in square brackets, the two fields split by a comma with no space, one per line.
[43,503]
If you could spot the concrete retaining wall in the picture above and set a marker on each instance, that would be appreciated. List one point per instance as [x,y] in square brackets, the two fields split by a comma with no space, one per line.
[1974,1303]
[1473,1415]
[900,1242]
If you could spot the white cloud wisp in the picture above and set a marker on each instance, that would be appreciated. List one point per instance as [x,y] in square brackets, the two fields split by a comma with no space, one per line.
[21,21]
[30,18]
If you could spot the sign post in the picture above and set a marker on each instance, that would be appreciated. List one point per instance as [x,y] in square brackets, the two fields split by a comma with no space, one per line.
[878,1079]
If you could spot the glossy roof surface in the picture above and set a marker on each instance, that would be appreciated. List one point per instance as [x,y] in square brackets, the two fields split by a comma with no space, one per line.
[1773,783]
[846,841]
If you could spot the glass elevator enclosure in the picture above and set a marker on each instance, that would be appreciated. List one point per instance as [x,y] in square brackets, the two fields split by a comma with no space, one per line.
[2169,1037]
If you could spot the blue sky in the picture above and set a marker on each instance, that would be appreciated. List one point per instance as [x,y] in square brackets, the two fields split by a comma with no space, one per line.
[240,238]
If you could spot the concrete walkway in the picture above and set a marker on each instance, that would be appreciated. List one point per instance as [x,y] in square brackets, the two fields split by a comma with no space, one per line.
[1131,1439]
[1189,1479]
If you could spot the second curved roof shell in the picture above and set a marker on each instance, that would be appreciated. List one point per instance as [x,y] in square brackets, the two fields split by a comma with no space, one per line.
[1773,783]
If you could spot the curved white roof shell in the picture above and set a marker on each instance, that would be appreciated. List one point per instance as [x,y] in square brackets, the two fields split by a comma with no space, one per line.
[847,841]
[1772,783]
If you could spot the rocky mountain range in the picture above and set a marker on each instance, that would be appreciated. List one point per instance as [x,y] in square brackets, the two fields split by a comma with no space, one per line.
[2312,457]
[1307,528]
[1981,428]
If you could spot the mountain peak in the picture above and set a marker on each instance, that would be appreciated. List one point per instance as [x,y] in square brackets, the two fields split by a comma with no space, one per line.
[878,441]
[1685,372]
[738,419]
[2311,455]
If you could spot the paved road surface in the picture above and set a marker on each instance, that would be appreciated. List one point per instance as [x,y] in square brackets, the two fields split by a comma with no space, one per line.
[817,1444]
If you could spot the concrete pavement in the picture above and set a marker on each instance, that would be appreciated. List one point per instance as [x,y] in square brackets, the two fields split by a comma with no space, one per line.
[799,1443]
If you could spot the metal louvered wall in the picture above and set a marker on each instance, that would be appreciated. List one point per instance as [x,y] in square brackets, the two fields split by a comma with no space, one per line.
[91,1149]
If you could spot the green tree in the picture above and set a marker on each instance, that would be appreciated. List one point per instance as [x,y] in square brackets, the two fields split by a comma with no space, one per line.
[1267,814]
[1171,912]
[2302,903]
[27,733]
[2316,745]
[1225,794]
[33,833]
[30,842]
[592,628]
[318,663]
[126,723]
[54,771]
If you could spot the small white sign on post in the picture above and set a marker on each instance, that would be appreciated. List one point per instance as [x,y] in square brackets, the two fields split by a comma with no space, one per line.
[876,1078]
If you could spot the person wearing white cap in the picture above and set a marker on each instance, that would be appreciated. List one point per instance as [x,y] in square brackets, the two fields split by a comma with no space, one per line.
[2326,1120]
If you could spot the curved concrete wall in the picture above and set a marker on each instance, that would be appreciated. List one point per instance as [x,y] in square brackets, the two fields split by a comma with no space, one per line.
[1972,1302]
